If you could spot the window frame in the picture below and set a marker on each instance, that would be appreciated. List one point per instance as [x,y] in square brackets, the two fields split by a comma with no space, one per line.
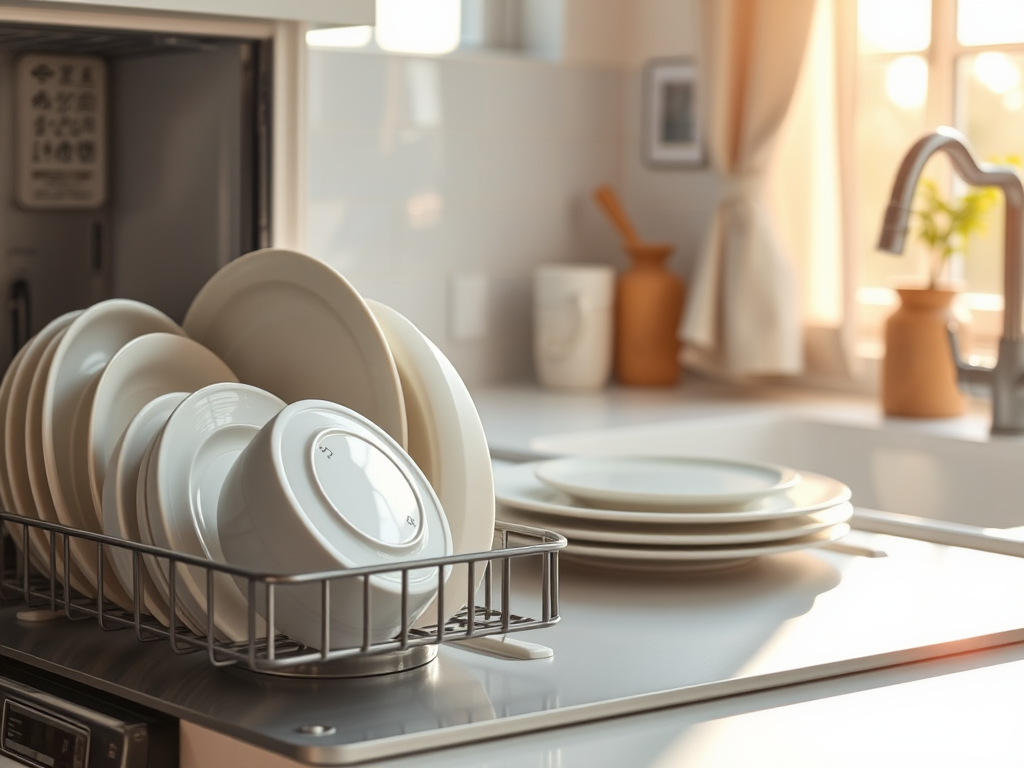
[983,310]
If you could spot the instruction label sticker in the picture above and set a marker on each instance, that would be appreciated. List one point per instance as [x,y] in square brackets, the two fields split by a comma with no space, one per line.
[61,107]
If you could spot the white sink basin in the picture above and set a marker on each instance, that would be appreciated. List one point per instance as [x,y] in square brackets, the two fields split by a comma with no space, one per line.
[948,471]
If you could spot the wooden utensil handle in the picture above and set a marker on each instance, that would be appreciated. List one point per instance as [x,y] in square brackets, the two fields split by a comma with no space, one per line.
[609,201]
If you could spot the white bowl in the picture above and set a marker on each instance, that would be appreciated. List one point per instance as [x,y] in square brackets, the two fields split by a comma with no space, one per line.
[321,488]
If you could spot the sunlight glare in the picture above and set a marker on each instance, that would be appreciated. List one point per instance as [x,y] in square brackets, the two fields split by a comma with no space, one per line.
[996,71]
[989,22]
[906,81]
[339,37]
[419,26]
[1014,100]
[894,26]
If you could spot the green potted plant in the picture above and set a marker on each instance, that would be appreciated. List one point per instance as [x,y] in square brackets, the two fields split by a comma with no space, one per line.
[945,225]
[918,375]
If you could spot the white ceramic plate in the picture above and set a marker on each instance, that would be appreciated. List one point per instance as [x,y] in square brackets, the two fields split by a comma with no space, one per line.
[199,444]
[6,499]
[14,438]
[143,369]
[724,555]
[6,495]
[89,343]
[518,487]
[157,568]
[42,500]
[447,442]
[290,324]
[120,496]
[691,535]
[648,482]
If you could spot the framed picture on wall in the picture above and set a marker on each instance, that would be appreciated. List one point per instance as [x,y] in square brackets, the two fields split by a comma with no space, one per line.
[671,126]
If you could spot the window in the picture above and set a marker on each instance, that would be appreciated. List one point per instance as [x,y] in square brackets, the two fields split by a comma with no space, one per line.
[403,26]
[923,63]
[442,26]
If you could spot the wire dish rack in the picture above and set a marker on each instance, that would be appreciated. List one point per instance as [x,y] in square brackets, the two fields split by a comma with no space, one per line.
[488,611]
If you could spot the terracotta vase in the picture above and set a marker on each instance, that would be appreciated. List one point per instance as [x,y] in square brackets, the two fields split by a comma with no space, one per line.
[918,374]
[648,306]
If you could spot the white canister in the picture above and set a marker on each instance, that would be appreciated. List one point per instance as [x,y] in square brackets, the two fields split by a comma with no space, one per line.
[572,325]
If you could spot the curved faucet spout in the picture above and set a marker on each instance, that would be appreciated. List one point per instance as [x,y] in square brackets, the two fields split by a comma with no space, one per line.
[897,215]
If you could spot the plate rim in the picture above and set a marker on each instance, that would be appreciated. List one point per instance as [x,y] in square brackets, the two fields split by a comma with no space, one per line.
[166,532]
[436,384]
[183,347]
[787,478]
[684,554]
[276,265]
[844,511]
[621,515]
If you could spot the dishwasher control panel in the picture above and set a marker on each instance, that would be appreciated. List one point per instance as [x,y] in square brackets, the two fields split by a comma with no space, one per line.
[58,726]
[41,738]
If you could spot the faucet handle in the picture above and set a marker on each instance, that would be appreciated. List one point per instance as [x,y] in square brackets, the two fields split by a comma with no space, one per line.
[966,374]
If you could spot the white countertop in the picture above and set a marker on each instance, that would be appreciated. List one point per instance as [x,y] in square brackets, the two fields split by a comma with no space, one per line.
[963,710]
[960,710]
[515,416]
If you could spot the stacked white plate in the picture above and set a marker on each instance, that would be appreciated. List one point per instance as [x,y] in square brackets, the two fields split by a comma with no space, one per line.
[104,429]
[675,513]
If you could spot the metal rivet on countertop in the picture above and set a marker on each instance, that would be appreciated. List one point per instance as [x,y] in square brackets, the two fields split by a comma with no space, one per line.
[317,730]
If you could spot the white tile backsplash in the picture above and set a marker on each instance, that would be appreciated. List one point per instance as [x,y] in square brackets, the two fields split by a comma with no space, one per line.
[426,169]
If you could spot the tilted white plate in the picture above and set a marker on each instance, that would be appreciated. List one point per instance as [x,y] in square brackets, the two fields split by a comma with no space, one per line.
[517,486]
[158,568]
[87,346]
[42,500]
[120,496]
[692,535]
[143,369]
[290,324]
[447,442]
[90,342]
[199,444]
[6,498]
[724,554]
[642,482]
[6,495]
[14,438]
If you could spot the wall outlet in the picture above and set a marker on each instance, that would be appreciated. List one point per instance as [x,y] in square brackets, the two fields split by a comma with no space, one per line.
[468,303]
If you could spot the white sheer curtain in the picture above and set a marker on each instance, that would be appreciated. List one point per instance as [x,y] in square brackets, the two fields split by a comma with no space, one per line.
[810,192]
[744,315]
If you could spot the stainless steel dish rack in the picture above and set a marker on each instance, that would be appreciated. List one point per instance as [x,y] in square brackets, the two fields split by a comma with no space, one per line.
[44,594]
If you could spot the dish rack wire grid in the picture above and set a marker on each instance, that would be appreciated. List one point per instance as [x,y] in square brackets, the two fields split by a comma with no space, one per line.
[44,589]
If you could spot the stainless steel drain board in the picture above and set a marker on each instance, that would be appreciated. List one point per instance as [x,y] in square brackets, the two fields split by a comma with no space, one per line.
[627,643]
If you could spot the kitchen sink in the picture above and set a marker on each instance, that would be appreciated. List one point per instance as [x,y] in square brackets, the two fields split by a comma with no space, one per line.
[949,470]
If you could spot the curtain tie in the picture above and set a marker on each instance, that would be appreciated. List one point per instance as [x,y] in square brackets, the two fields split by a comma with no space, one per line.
[741,187]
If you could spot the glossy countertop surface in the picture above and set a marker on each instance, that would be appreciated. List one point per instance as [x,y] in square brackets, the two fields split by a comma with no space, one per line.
[521,417]
[848,615]
[957,711]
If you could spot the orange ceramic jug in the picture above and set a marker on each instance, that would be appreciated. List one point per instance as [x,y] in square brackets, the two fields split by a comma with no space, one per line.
[648,306]
[918,373]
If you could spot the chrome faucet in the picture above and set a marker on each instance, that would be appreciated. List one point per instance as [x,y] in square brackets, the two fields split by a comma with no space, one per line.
[1006,380]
